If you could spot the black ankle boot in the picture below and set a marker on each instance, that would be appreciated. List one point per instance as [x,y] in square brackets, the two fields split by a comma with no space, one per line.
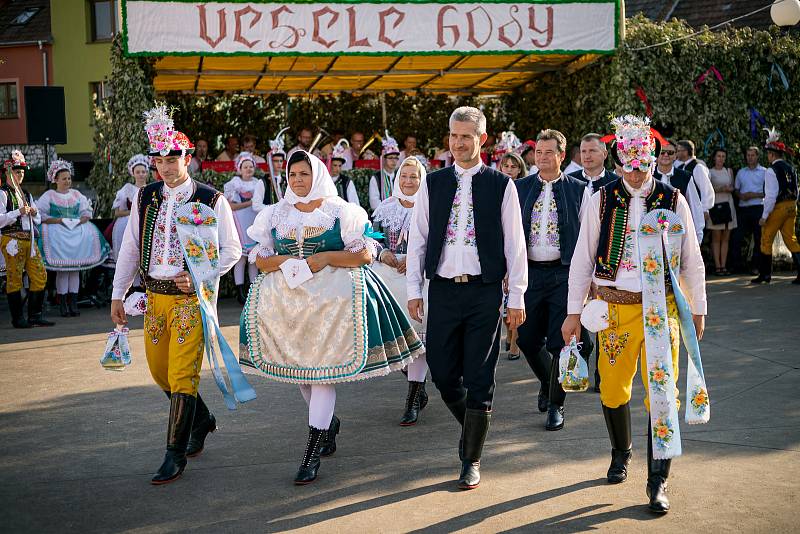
[73,305]
[555,418]
[413,403]
[764,270]
[618,423]
[181,415]
[309,467]
[63,306]
[204,424]
[328,444]
[15,307]
[657,474]
[476,426]
[241,296]
[35,307]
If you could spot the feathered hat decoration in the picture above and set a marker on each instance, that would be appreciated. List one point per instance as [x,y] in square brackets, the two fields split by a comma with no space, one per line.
[636,144]
[340,150]
[389,145]
[57,166]
[138,159]
[276,146]
[16,161]
[242,157]
[775,144]
[164,139]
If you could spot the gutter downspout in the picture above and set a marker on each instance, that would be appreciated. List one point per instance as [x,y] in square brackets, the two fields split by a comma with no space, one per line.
[44,63]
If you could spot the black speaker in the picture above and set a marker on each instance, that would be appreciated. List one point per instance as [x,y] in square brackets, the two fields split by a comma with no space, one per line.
[45,117]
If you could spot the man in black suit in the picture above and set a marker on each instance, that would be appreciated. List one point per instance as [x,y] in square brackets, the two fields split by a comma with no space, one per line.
[465,237]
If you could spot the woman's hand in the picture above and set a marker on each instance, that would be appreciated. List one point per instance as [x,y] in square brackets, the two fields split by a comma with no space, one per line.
[317,262]
[401,266]
[271,264]
[388,258]
[85,219]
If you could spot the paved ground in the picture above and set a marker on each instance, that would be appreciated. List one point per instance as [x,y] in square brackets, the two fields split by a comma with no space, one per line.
[79,444]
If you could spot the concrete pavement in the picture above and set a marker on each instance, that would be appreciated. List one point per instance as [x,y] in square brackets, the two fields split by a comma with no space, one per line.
[78,444]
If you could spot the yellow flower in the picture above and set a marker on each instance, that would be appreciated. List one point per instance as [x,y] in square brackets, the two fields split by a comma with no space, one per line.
[659,375]
[662,431]
[700,398]
[653,320]
[650,265]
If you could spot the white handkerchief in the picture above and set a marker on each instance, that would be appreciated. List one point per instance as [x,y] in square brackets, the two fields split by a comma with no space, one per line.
[296,272]
[136,304]
[12,248]
[71,223]
[594,316]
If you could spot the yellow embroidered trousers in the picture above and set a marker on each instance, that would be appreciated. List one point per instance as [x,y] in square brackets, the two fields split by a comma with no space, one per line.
[622,343]
[22,262]
[173,341]
[780,220]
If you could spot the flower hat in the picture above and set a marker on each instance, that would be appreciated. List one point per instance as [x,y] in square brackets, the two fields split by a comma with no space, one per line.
[636,144]
[390,145]
[164,139]
[774,143]
[57,166]
[16,161]
[138,159]
[340,150]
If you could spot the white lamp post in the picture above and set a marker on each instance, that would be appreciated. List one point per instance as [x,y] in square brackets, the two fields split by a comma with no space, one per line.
[785,12]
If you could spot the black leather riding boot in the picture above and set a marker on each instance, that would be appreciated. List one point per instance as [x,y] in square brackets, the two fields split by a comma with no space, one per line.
[204,423]
[618,423]
[657,474]
[15,307]
[476,426]
[181,415]
[35,309]
[309,467]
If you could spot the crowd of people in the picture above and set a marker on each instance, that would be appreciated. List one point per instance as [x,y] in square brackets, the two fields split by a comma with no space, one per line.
[566,254]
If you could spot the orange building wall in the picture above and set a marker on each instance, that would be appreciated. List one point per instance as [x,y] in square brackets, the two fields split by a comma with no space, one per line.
[22,64]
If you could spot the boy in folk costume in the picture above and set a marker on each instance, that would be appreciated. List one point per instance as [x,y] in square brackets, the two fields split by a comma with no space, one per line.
[270,188]
[18,218]
[174,337]
[380,185]
[344,185]
[638,246]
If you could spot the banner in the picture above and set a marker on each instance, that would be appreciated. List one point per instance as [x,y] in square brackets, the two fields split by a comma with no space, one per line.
[228,28]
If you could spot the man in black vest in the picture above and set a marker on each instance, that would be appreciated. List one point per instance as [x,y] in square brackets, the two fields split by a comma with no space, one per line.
[465,236]
[18,219]
[667,173]
[174,339]
[551,217]
[687,161]
[593,158]
[780,208]
[344,185]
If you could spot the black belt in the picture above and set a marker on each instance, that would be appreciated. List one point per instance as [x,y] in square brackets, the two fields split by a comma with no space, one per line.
[552,263]
[163,287]
[461,279]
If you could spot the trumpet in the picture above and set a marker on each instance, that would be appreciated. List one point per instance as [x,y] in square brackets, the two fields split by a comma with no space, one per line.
[319,138]
[371,140]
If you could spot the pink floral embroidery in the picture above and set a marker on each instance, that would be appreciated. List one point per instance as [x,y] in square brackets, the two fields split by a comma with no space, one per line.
[451,236]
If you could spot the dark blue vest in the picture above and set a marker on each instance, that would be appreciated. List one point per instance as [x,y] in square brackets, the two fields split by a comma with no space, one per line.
[606,179]
[787,180]
[680,180]
[488,189]
[568,194]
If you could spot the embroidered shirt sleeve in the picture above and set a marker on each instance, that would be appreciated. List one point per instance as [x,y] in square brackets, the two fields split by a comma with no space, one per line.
[261,232]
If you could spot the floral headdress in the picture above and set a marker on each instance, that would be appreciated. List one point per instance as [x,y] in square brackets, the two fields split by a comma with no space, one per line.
[636,146]
[16,161]
[276,146]
[138,159]
[57,166]
[164,139]
[509,142]
[242,157]
[774,143]
[390,146]
[340,150]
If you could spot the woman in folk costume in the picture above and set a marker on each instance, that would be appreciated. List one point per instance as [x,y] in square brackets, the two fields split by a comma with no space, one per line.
[393,219]
[381,184]
[69,242]
[239,192]
[139,169]
[317,316]
[637,245]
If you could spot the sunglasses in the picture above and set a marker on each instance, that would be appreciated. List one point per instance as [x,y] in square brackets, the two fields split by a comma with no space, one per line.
[668,152]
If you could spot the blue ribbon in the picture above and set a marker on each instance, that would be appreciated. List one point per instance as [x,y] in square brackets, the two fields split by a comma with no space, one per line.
[370,232]
[776,69]
[710,138]
[756,118]
[688,332]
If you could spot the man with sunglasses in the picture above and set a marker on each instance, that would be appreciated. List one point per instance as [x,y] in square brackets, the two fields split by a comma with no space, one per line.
[667,173]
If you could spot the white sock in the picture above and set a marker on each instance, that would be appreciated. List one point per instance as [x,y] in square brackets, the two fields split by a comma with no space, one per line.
[418,369]
[74,281]
[62,282]
[321,405]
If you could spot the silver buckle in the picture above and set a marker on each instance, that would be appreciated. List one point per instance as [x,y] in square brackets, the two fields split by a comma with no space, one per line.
[460,279]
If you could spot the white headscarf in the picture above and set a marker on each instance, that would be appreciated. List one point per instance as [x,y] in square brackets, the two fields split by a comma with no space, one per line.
[322,185]
[397,192]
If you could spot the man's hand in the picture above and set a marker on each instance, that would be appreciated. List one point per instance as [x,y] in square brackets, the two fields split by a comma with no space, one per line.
[416,309]
[699,325]
[388,258]
[85,219]
[514,317]
[317,262]
[118,312]
[27,210]
[571,327]
[401,266]
[184,282]
[762,222]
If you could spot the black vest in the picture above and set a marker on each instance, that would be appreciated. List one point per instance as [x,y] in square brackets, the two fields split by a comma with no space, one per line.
[606,179]
[149,201]
[614,206]
[680,180]
[787,180]
[488,189]
[568,194]
[11,205]
[342,183]
[270,196]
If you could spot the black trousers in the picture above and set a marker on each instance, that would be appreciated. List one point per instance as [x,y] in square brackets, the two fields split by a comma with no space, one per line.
[463,340]
[747,218]
[545,311]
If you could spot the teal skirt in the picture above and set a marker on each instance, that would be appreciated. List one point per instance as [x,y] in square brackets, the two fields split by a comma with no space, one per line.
[340,326]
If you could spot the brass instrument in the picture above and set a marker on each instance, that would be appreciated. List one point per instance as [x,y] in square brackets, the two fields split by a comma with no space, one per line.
[371,140]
